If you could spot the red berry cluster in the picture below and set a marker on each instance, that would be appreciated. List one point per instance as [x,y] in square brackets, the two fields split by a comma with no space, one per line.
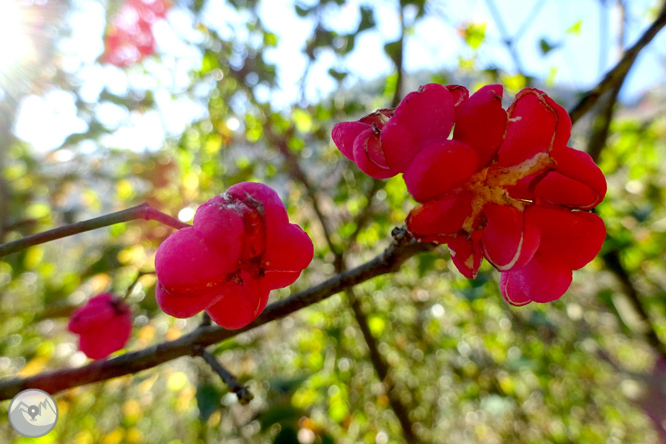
[494,183]
[104,325]
[130,36]
[240,248]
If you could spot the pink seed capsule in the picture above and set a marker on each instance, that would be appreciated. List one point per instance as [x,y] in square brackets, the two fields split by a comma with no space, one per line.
[240,248]
[104,325]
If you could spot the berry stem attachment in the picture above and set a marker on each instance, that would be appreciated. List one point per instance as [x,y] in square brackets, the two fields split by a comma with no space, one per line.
[142,211]
[242,391]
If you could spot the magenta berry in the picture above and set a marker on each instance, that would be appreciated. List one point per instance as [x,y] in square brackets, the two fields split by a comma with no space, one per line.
[104,325]
[240,248]
[502,186]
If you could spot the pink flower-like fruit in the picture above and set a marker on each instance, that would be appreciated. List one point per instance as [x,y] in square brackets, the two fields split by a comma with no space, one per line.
[504,185]
[104,325]
[240,248]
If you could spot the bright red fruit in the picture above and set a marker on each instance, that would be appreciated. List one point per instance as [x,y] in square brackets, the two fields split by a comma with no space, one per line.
[503,186]
[130,36]
[240,248]
[104,325]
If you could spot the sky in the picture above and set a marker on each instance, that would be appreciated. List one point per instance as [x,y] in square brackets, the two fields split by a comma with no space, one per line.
[579,62]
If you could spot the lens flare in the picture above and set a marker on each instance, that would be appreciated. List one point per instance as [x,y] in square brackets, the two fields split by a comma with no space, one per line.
[14,42]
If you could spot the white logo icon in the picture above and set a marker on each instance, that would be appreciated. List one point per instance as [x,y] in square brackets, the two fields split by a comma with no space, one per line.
[33,413]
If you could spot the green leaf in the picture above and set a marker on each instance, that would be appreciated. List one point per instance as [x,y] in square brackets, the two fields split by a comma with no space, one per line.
[209,399]
[474,34]
[337,75]
[420,6]
[270,39]
[367,19]
[286,436]
[302,12]
[546,47]
[280,413]
[426,262]
[287,385]
[376,325]
[393,50]
[575,29]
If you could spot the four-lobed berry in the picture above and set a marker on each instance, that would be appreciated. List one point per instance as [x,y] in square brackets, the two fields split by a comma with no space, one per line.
[503,185]
[240,247]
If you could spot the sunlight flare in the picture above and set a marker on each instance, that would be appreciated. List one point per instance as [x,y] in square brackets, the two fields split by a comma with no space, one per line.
[14,42]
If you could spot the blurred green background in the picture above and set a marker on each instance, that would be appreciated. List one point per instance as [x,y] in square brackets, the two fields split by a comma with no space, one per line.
[239,90]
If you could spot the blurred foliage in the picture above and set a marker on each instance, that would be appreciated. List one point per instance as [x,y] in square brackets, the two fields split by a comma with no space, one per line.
[470,368]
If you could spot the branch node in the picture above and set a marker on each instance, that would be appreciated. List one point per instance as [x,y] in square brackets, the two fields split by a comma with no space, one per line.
[242,391]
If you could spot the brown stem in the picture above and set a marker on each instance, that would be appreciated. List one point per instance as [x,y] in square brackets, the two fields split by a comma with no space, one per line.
[242,391]
[614,76]
[297,172]
[364,216]
[612,260]
[142,211]
[601,127]
[382,368]
[402,248]
[130,289]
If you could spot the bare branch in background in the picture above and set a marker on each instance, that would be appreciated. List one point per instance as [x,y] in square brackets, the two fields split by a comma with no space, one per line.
[297,172]
[142,211]
[531,16]
[597,142]
[615,75]
[382,368]
[366,213]
[509,41]
[398,61]
[612,261]
[600,129]
[398,407]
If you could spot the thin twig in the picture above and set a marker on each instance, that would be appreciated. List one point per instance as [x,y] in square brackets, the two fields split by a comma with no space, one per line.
[297,172]
[613,76]
[509,41]
[129,290]
[382,368]
[242,391]
[142,211]
[364,216]
[380,365]
[612,260]
[399,65]
[389,261]
[601,128]
[529,19]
